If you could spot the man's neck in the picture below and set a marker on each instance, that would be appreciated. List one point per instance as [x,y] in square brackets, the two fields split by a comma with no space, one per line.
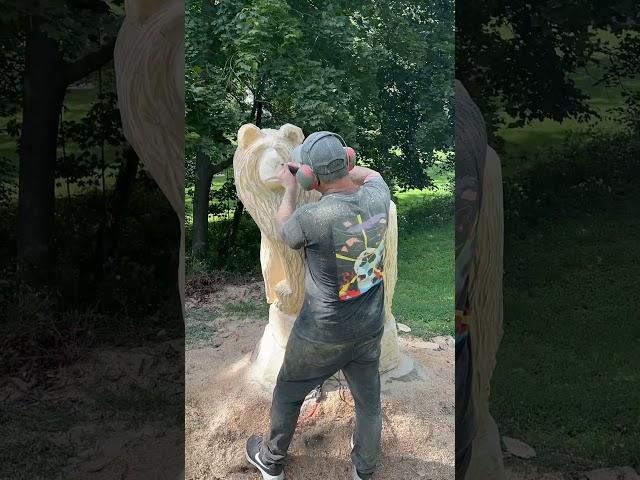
[344,185]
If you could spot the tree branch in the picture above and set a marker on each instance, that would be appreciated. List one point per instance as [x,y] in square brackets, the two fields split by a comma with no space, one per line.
[91,62]
[219,167]
[218,136]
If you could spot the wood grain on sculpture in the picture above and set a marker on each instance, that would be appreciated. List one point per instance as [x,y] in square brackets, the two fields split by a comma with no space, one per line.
[486,310]
[149,65]
[258,157]
[486,321]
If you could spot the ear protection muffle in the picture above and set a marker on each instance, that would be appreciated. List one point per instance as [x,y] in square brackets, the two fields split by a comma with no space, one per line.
[351,157]
[307,178]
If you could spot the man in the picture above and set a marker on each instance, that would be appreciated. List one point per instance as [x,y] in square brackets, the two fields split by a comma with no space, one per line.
[341,322]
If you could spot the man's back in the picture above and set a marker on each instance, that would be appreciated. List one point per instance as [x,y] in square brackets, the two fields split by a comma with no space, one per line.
[343,239]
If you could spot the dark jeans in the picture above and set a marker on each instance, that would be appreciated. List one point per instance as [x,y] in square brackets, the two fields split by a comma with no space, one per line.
[308,364]
[465,423]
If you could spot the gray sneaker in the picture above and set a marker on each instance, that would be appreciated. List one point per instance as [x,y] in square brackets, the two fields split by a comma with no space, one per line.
[252,452]
[357,476]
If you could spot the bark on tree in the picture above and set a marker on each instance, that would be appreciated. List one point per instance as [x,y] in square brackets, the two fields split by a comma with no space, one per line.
[235,225]
[111,226]
[44,89]
[204,177]
[172,307]
[46,77]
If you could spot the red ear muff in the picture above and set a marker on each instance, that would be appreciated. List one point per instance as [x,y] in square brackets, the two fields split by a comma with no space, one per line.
[306,178]
[351,157]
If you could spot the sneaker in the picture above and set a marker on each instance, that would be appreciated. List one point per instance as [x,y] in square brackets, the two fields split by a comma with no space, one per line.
[357,476]
[252,452]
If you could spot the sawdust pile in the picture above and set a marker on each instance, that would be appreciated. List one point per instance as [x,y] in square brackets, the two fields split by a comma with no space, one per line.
[223,407]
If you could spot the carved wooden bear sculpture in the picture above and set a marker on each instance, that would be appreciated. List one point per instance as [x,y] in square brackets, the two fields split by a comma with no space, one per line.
[258,157]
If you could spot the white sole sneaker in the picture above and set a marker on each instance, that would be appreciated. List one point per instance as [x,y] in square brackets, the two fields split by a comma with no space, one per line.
[265,475]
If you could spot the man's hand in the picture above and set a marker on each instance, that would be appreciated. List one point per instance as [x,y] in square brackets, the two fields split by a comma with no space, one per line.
[286,178]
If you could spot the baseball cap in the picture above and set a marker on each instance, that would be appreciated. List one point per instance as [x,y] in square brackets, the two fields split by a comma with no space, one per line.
[325,154]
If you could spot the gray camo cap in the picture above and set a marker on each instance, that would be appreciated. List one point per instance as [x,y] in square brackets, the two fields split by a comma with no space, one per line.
[325,154]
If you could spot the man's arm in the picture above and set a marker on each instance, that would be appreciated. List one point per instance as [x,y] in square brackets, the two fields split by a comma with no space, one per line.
[360,175]
[287,206]
[291,233]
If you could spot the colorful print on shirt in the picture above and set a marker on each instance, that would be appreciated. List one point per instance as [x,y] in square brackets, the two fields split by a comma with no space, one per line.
[359,247]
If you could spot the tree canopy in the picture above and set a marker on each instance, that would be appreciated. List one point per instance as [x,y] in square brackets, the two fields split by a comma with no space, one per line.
[519,57]
[379,73]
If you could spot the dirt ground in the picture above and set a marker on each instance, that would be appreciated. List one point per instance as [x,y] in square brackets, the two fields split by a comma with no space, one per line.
[115,414]
[146,442]
[223,407]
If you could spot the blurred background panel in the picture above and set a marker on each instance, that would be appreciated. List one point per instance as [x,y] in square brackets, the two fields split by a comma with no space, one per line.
[559,87]
[91,331]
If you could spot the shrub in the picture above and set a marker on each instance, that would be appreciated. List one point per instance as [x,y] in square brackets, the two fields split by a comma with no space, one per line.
[586,170]
[241,257]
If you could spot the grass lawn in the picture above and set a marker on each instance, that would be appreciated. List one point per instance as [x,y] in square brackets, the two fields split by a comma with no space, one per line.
[566,381]
[424,295]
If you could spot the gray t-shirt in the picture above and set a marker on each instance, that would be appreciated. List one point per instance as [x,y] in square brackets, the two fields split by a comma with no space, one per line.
[343,240]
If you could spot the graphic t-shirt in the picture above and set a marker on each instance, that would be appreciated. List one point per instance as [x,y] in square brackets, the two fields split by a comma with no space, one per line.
[343,240]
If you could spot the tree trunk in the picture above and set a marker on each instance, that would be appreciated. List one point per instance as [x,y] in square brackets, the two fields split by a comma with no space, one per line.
[259,115]
[172,308]
[204,177]
[44,88]
[109,231]
[46,77]
[235,224]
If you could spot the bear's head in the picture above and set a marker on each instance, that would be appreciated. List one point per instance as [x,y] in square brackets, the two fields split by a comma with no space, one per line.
[259,156]
[263,152]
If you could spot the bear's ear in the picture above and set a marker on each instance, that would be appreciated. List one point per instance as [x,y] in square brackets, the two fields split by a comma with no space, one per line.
[247,135]
[293,133]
